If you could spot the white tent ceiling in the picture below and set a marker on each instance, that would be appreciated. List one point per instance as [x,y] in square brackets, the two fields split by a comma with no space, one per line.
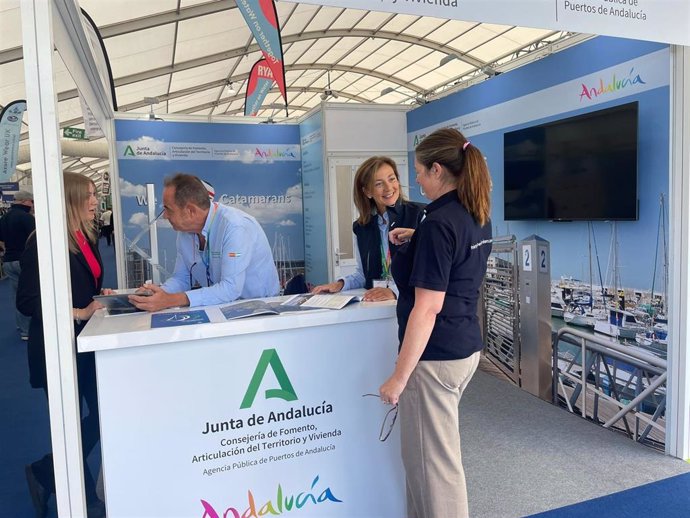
[186,53]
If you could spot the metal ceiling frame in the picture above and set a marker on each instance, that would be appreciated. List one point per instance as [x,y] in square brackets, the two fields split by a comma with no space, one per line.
[242,51]
[542,45]
[324,61]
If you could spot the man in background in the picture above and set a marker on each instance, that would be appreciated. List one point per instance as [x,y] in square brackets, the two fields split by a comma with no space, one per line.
[15,228]
[107,225]
[223,253]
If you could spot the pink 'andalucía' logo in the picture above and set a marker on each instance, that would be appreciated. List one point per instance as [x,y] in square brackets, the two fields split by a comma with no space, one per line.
[281,504]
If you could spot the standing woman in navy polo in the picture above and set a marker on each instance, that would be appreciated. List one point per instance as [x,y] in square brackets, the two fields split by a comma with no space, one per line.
[439,274]
[381,207]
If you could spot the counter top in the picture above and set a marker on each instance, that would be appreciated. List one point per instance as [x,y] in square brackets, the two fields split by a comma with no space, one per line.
[105,332]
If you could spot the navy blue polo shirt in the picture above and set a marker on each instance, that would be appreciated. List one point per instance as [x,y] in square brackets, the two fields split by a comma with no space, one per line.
[448,252]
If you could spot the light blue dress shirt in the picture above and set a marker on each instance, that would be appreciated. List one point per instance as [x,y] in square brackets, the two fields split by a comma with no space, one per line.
[357,279]
[237,260]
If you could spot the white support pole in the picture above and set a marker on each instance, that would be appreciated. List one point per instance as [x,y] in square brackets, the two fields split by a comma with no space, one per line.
[153,232]
[678,403]
[51,232]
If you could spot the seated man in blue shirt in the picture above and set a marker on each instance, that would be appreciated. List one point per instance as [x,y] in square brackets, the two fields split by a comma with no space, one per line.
[221,250]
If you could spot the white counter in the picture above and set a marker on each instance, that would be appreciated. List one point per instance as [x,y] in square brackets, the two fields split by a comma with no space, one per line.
[105,332]
[235,417]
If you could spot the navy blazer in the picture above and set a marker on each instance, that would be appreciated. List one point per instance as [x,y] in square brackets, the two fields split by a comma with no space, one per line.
[405,214]
[84,287]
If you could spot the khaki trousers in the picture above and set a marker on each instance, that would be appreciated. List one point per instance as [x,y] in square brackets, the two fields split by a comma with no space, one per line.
[430,438]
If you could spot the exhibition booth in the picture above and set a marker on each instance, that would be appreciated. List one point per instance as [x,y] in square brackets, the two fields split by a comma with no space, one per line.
[184,382]
[330,358]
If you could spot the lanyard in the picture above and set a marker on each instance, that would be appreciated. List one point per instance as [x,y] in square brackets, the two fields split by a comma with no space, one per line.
[206,257]
[385,262]
[385,254]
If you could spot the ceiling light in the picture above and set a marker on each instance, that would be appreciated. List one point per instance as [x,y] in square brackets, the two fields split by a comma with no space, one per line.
[231,88]
[328,92]
[489,71]
[448,59]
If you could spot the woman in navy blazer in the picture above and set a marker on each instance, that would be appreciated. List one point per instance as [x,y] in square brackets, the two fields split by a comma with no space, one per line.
[86,272]
[381,206]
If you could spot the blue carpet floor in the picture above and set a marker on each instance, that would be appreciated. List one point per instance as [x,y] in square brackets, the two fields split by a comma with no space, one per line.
[668,498]
[24,423]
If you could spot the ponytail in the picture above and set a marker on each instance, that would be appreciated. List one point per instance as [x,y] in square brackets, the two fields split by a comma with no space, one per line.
[474,185]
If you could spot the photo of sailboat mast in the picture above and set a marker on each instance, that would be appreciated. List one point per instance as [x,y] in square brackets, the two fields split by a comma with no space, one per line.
[636,318]
[618,344]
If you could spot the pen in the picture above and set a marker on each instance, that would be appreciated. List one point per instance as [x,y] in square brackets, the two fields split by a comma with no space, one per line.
[234,254]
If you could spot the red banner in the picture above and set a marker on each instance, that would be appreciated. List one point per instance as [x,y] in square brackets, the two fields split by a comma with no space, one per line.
[259,84]
[262,18]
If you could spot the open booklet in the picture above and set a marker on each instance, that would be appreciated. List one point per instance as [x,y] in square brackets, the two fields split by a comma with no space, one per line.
[321,300]
[250,308]
[301,302]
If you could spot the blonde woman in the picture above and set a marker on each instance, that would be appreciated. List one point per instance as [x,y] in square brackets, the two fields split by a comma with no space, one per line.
[86,272]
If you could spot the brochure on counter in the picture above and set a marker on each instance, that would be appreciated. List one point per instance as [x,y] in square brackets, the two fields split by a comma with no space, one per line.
[321,300]
[179,318]
[250,308]
[300,302]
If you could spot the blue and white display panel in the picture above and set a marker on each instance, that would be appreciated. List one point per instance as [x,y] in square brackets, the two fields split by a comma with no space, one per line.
[315,231]
[597,74]
[255,168]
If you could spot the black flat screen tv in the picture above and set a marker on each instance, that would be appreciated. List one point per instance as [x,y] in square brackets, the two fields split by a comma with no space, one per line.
[579,168]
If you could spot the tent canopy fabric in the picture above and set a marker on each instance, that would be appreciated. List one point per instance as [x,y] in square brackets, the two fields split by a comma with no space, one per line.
[192,57]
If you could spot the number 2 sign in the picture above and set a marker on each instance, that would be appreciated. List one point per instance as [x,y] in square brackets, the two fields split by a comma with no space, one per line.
[543,259]
[527,258]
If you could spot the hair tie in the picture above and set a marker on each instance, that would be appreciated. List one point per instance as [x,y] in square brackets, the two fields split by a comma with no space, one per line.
[464,146]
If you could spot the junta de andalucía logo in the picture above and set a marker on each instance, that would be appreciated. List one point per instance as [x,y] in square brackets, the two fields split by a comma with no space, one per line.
[269,358]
